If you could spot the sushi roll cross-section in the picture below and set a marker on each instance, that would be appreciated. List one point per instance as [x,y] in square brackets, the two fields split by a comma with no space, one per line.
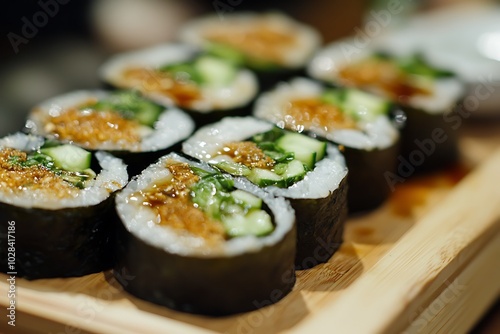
[198,241]
[427,94]
[357,121]
[271,44]
[308,172]
[180,75]
[121,122]
[61,199]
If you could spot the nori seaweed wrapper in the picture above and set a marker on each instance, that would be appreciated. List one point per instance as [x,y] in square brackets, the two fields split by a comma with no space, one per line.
[368,187]
[420,144]
[215,284]
[270,78]
[204,118]
[137,161]
[212,286]
[320,226]
[67,242]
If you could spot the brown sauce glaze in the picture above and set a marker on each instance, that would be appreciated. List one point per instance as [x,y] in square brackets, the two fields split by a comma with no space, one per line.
[384,76]
[171,201]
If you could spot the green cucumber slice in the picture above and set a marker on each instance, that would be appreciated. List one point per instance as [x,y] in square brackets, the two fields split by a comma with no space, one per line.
[233,168]
[69,157]
[239,58]
[214,71]
[228,53]
[256,222]
[265,177]
[333,97]
[307,150]
[148,114]
[246,199]
[130,105]
[417,65]
[364,106]
[183,72]
[295,172]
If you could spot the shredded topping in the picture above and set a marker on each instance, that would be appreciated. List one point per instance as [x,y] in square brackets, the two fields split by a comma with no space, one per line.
[260,41]
[183,93]
[304,113]
[172,202]
[17,178]
[248,154]
[91,128]
[383,75]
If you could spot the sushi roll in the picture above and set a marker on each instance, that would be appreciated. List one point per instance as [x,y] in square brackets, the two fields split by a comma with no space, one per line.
[308,172]
[60,198]
[427,94]
[121,122]
[198,241]
[180,75]
[273,45]
[357,121]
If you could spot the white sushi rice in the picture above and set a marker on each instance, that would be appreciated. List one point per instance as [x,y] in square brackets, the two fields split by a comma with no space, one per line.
[241,91]
[112,177]
[210,139]
[307,40]
[272,106]
[445,92]
[142,221]
[318,183]
[172,126]
[321,181]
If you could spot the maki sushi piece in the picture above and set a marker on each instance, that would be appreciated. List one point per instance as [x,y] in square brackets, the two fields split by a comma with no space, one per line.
[198,241]
[121,122]
[273,45]
[427,94]
[180,75]
[308,172]
[60,198]
[357,121]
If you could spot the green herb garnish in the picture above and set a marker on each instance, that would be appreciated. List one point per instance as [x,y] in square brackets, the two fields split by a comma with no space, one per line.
[77,178]
[130,105]
[239,212]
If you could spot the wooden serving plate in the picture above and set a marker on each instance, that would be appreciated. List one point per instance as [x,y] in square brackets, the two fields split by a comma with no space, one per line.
[427,261]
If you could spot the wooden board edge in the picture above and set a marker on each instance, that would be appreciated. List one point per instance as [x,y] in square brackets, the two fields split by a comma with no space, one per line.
[411,273]
[464,299]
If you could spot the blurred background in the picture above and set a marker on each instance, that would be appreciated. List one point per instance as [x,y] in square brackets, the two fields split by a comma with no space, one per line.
[54,46]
